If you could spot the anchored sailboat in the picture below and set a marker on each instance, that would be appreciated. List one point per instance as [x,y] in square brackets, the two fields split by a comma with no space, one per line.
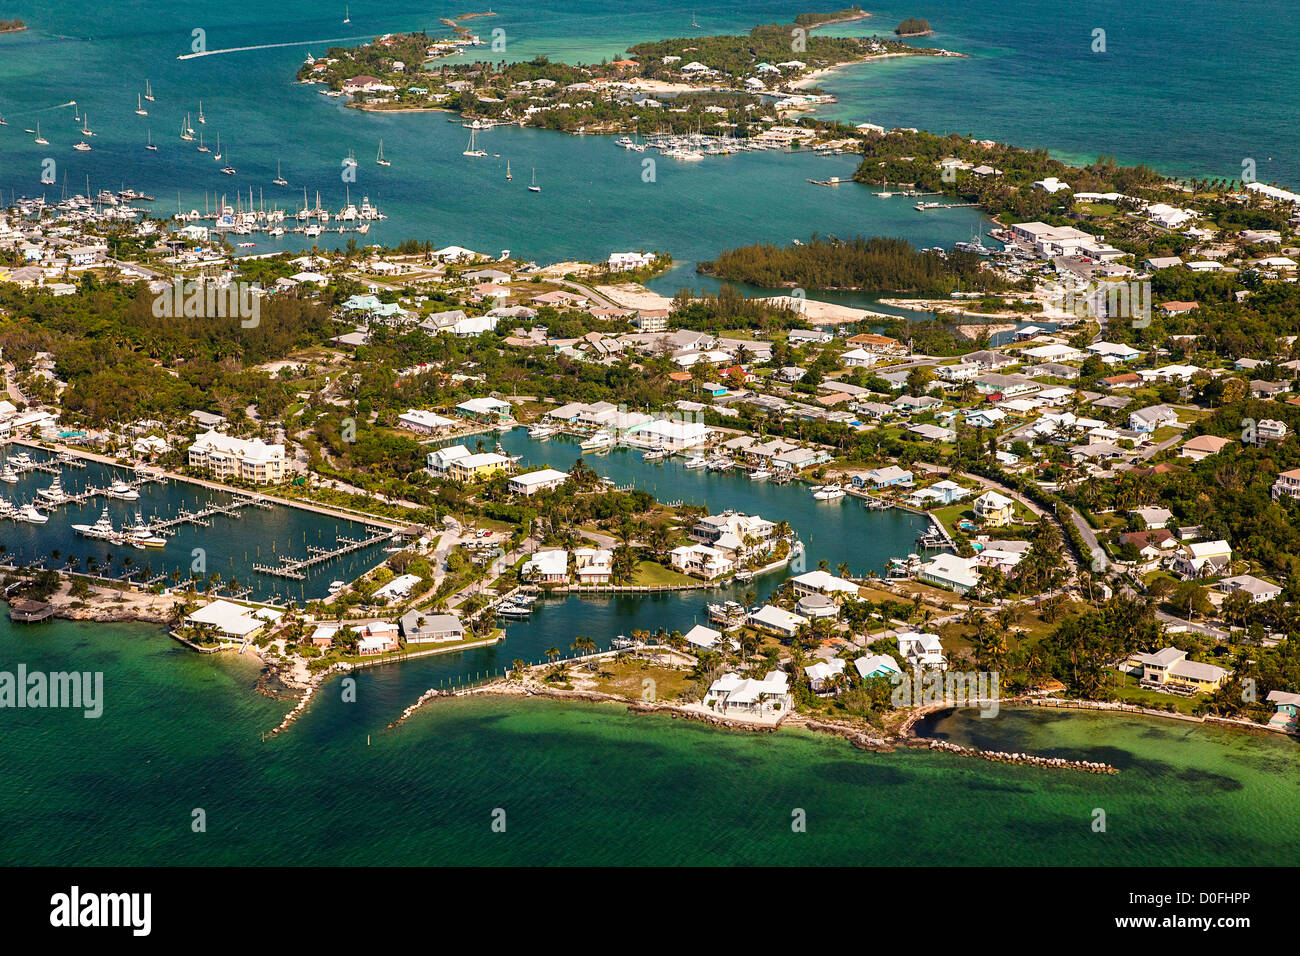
[471,150]
[380,158]
[534,188]
[279,180]
[139,107]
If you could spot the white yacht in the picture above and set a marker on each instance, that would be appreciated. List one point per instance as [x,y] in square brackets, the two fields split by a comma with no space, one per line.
[102,528]
[140,535]
[337,586]
[761,475]
[29,513]
[599,440]
[542,430]
[828,492]
[55,492]
[696,461]
[8,474]
[121,490]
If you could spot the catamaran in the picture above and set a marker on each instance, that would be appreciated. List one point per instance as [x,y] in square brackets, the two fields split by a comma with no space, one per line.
[351,159]
[148,142]
[279,180]
[471,149]
[139,107]
[40,140]
[380,158]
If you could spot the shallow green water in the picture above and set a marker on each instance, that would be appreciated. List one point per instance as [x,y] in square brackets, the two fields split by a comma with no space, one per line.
[583,784]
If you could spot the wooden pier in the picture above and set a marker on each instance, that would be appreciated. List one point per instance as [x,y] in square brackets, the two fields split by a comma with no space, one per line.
[295,567]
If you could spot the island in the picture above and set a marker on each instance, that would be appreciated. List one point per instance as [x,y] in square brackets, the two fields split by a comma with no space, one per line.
[914,27]
[731,86]
[12,26]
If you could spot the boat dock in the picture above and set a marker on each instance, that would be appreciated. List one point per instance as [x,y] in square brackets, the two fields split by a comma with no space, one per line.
[295,568]
[200,518]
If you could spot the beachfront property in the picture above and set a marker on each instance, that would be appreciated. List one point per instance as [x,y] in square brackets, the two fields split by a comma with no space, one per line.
[733,695]
[1169,669]
[700,560]
[547,567]
[426,423]
[778,620]
[233,622]
[478,467]
[535,481]
[593,565]
[425,627]
[994,510]
[1287,716]
[377,637]
[922,651]
[941,493]
[438,461]
[225,457]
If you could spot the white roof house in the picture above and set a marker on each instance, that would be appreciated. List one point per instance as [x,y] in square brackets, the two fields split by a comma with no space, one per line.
[484,407]
[548,565]
[399,587]
[419,420]
[535,481]
[731,692]
[823,582]
[440,459]
[232,620]
[950,571]
[876,665]
[777,619]
[922,650]
[705,638]
[822,671]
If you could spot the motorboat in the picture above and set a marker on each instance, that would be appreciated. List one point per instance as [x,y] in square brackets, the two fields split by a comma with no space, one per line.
[828,492]
[55,492]
[102,528]
[695,461]
[761,475]
[597,441]
[140,535]
[29,513]
[542,430]
[121,490]
[8,474]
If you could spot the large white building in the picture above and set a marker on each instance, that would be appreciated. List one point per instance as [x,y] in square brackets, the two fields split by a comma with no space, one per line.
[227,457]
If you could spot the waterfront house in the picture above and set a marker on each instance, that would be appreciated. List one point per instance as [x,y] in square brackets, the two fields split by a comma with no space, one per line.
[477,467]
[439,460]
[941,492]
[737,534]
[877,665]
[426,423]
[535,481]
[226,457]
[950,572]
[886,477]
[994,510]
[734,695]
[824,583]
[485,409]
[231,621]
[377,637]
[778,620]
[702,561]
[593,565]
[425,627]
[922,651]
[1288,709]
[323,636]
[547,567]
[1169,668]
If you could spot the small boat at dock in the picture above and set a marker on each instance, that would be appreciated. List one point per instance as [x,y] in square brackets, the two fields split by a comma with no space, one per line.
[121,490]
[827,492]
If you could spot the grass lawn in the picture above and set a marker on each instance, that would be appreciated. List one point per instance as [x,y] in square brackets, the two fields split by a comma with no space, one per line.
[626,675]
[1131,692]
[650,574]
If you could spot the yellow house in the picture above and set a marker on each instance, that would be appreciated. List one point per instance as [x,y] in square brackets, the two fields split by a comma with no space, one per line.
[994,510]
[478,467]
[1170,666]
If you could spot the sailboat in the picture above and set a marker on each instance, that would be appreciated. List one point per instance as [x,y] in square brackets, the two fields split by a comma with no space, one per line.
[187,134]
[139,107]
[380,158]
[471,150]
[3,121]
[40,140]
[201,119]
[534,188]
[347,15]
[350,159]
[279,180]
[202,147]
[693,23]
[217,155]
[148,142]
[148,93]
[228,169]
[85,125]
[508,176]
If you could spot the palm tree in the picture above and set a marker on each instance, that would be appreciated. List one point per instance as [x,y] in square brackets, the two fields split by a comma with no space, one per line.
[842,569]
[552,652]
